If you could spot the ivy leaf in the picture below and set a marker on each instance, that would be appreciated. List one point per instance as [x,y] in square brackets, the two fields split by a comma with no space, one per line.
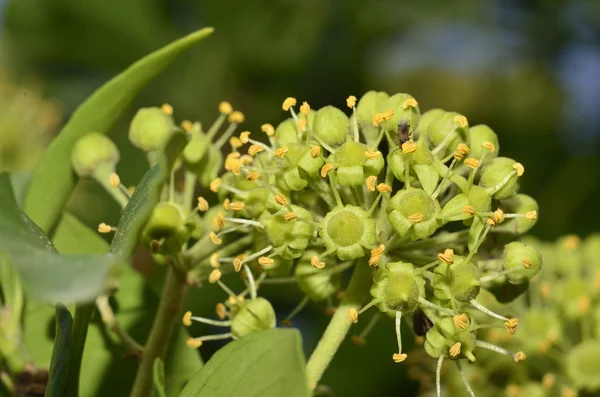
[267,364]
[53,179]
[57,376]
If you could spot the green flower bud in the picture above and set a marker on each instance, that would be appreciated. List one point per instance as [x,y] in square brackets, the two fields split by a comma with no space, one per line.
[478,135]
[518,204]
[495,172]
[370,104]
[459,281]
[287,133]
[331,125]
[426,119]
[445,335]
[525,258]
[539,328]
[291,237]
[405,108]
[415,212]
[316,283]
[166,219]
[582,365]
[348,231]
[301,166]
[252,316]
[477,197]
[352,165]
[92,152]
[397,288]
[449,129]
[150,129]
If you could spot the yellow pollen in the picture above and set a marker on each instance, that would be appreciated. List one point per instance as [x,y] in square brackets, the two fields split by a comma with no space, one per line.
[371,182]
[351,101]
[399,357]
[387,114]
[252,176]
[463,148]
[472,163]
[519,168]
[253,150]
[281,200]
[353,315]
[489,146]
[566,391]
[410,103]
[267,129]
[227,205]
[455,350]
[315,262]
[288,103]
[235,142]
[214,261]
[461,320]
[545,290]
[315,150]
[571,241]
[447,256]
[461,120]
[202,204]
[225,107]
[232,300]
[114,180]
[526,263]
[416,217]
[583,305]
[237,264]
[194,343]
[492,222]
[326,168]
[215,239]
[302,124]
[531,215]
[219,221]
[378,251]
[237,206]
[499,215]
[409,147]
[519,356]
[458,155]
[279,153]
[214,184]
[214,276]
[511,325]
[376,254]
[305,108]
[236,117]
[377,119]
[384,188]
[265,261]
[221,311]
[236,169]
[548,381]
[167,109]
[187,125]
[104,228]
[290,216]
[245,136]
[468,209]
[187,319]
[372,155]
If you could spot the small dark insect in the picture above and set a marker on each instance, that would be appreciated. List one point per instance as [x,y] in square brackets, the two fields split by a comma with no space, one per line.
[421,323]
[403,131]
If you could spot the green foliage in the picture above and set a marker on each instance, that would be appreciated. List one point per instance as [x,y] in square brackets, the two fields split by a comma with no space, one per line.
[58,373]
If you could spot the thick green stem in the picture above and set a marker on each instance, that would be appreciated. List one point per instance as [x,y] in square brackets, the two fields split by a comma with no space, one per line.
[340,324]
[162,329]
[83,315]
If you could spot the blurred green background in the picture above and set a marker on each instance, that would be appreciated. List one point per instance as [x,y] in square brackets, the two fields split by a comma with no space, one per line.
[528,69]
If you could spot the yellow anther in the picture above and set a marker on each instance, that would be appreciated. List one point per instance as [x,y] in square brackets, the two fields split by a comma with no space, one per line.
[416,217]
[252,176]
[409,147]
[548,381]
[187,319]
[468,209]
[472,163]
[194,343]
[237,206]
[571,241]
[463,148]
[384,188]
[353,315]
[114,180]
[511,325]
[265,261]
[377,119]
[376,254]
[372,154]
[232,300]
[267,129]
[227,204]
[167,109]
[214,276]
[455,350]
[253,150]
[302,123]
[531,215]
[315,150]
[566,391]
[237,264]
[288,103]
[236,117]
[387,114]
[214,184]
[237,168]
[214,261]
[519,356]
[219,221]
[215,239]
[351,101]
[499,216]
[104,228]
[379,250]
[410,103]
[281,200]
[326,168]
[461,120]
[131,190]
[305,108]
[202,204]
[458,155]
[225,107]
[221,311]
[245,136]
[290,216]
[545,289]
[489,146]
[399,357]
[492,222]
[526,263]
[519,168]
[513,391]
[461,320]
[315,262]
[279,153]
[187,125]
[447,256]
[235,142]
[583,305]
[371,182]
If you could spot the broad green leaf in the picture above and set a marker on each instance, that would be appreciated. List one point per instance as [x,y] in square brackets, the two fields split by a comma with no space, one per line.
[20,183]
[46,275]
[53,179]
[267,364]
[158,376]
[57,377]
